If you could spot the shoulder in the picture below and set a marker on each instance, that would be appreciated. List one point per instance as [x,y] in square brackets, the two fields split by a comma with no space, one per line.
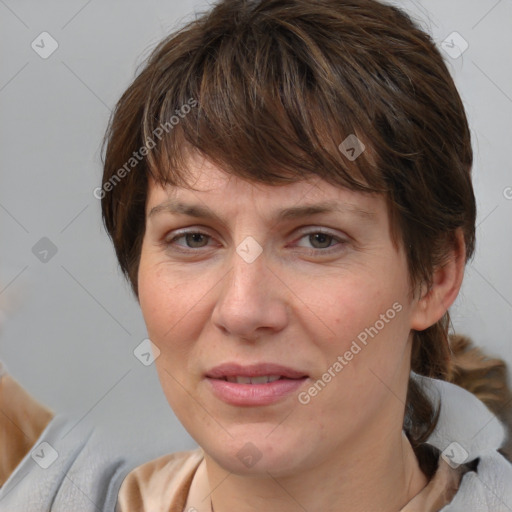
[486,489]
[159,483]
[71,466]
[469,434]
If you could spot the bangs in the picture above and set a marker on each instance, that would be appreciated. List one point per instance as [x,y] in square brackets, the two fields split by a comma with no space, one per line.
[263,103]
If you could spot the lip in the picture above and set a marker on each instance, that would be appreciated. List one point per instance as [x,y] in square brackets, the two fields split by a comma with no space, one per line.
[254,394]
[253,370]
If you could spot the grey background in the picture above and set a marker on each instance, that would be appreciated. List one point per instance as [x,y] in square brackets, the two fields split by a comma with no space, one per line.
[70,325]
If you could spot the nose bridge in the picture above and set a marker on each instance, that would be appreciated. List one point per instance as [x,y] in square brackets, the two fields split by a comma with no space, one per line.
[248,270]
[249,298]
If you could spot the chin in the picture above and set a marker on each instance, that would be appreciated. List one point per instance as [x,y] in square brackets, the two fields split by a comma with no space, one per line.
[258,455]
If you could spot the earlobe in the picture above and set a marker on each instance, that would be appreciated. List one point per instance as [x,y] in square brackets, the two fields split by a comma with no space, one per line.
[446,282]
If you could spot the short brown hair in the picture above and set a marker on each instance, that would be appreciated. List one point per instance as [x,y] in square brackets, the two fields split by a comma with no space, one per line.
[277,86]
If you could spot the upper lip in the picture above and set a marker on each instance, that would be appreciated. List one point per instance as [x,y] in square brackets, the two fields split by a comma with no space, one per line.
[253,370]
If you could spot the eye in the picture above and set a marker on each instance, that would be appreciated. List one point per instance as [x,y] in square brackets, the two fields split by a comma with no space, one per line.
[193,239]
[322,241]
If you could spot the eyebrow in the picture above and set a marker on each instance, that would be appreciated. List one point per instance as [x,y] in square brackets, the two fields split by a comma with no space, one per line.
[295,212]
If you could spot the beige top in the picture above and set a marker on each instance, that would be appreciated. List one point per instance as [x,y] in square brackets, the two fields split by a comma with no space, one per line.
[163,485]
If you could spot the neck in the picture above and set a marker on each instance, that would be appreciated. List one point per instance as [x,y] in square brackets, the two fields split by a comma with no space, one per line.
[355,480]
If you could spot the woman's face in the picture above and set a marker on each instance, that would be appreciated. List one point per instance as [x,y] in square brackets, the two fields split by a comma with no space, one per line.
[323,296]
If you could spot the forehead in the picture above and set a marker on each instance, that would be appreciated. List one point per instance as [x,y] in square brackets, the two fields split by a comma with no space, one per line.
[214,188]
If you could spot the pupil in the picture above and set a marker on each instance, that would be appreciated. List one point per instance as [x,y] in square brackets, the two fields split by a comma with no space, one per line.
[322,238]
[193,238]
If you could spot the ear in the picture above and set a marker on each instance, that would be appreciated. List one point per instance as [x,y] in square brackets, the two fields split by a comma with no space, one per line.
[433,303]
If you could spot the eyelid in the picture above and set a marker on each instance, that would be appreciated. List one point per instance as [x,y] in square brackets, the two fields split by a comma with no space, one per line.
[183,232]
[312,230]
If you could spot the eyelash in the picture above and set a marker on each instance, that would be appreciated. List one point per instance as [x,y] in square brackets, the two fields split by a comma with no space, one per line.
[169,242]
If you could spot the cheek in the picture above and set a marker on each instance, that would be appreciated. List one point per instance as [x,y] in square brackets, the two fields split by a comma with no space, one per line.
[368,326]
[170,324]
[172,305]
[363,361]
[164,299]
[154,303]
[352,303]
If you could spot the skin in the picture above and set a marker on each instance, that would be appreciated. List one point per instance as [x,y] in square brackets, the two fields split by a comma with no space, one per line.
[298,306]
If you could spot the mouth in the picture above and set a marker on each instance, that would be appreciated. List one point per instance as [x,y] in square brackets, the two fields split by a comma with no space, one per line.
[263,379]
[253,385]
[259,373]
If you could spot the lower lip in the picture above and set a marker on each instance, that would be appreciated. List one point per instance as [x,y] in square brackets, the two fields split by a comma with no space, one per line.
[254,394]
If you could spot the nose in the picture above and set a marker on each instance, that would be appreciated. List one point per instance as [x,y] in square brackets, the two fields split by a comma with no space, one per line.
[252,301]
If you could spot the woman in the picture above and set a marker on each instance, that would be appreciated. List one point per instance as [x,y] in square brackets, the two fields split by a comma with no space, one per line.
[287,186]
